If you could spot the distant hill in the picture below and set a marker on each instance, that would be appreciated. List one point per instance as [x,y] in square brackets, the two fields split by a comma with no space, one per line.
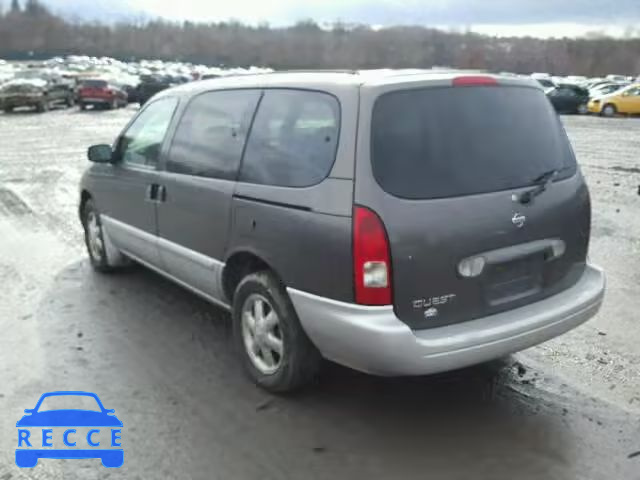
[304,45]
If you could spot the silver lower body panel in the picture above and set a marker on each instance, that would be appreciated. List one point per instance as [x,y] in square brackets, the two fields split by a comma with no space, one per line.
[374,340]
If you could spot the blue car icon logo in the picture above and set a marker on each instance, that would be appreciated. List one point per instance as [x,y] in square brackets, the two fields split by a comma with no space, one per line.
[84,432]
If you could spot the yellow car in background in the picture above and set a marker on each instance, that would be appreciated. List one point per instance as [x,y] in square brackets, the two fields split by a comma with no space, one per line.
[625,101]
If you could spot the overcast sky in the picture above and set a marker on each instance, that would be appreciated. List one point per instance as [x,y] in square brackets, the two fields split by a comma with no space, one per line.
[500,17]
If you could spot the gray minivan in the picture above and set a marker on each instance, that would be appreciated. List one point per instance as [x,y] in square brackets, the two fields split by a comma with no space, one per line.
[396,222]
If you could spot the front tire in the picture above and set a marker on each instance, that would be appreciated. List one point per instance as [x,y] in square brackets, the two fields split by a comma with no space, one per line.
[275,350]
[94,238]
[609,110]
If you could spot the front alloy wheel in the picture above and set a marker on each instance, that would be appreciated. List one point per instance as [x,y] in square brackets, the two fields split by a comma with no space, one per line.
[609,110]
[94,237]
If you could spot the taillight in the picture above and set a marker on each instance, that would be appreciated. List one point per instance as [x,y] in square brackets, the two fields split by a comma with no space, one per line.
[371,259]
[474,80]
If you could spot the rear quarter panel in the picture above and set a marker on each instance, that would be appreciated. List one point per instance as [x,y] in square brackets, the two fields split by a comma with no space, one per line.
[309,251]
[304,234]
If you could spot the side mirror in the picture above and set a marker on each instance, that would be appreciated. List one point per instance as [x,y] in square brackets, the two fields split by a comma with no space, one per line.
[110,411]
[100,154]
[28,410]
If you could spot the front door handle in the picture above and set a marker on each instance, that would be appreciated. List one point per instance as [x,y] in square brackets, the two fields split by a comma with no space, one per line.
[156,193]
[151,193]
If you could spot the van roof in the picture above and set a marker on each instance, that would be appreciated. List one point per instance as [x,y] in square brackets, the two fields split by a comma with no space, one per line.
[333,78]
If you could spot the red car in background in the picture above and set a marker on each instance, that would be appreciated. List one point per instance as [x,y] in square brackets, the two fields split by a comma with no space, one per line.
[101,94]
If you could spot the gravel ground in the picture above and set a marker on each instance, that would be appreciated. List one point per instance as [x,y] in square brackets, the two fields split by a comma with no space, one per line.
[162,358]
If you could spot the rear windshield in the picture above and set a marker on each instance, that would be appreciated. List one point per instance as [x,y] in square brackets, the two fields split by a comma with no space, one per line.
[447,142]
[94,83]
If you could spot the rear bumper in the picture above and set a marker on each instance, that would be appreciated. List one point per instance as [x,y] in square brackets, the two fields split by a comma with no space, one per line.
[374,340]
[96,100]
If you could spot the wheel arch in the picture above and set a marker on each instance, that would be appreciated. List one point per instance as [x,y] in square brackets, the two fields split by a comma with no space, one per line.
[239,264]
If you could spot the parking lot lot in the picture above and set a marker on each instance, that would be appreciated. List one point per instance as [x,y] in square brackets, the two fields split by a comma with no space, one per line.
[163,359]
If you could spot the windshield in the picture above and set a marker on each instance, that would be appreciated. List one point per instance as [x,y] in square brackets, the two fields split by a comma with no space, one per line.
[441,142]
[69,402]
[628,88]
[94,83]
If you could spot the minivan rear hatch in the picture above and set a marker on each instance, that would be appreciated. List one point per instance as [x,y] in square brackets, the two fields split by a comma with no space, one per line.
[449,166]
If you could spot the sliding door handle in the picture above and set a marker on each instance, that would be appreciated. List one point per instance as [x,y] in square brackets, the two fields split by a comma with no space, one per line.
[162,194]
[151,193]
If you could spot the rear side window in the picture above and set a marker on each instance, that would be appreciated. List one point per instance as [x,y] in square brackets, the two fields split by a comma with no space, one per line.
[211,134]
[447,142]
[293,140]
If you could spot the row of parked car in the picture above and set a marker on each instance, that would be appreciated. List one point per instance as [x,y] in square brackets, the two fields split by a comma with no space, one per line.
[608,96]
[95,82]
[42,94]
[110,84]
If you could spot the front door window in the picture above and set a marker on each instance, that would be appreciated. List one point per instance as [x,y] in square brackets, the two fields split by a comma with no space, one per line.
[141,143]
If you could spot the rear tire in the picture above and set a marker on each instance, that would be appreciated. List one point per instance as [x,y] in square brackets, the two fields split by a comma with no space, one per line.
[113,105]
[609,110]
[82,106]
[42,107]
[275,352]
[8,109]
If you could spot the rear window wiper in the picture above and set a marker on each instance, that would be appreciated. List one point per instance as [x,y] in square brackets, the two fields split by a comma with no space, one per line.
[542,182]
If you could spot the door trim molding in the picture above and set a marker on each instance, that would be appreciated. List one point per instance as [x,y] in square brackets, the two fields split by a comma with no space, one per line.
[111,222]
[191,255]
[179,282]
[201,261]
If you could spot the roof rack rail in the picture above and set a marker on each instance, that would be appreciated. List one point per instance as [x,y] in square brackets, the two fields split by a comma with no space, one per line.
[311,70]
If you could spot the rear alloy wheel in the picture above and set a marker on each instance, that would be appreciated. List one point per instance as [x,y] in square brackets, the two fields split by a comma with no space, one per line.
[609,110]
[114,105]
[276,352]
[262,334]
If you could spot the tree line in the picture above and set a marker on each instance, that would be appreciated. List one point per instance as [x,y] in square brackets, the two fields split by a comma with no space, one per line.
[29,29]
